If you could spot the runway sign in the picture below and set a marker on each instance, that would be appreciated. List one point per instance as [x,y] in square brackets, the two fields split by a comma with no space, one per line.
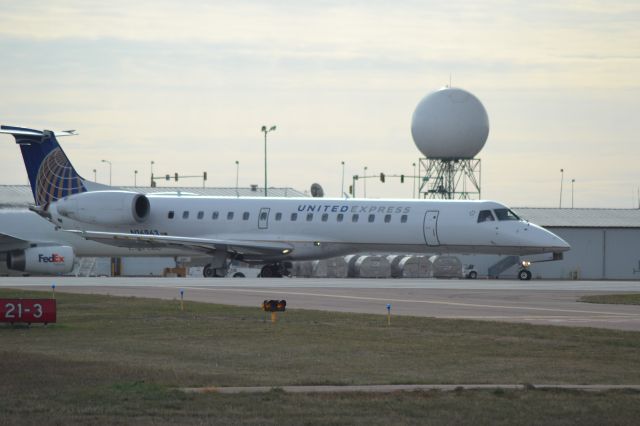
[28,310]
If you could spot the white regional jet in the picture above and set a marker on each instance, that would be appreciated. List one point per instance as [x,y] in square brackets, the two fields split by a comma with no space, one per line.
[267,231]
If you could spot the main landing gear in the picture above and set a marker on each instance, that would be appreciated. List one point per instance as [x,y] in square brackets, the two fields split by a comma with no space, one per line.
[210,272]
[219,265]
[276,270]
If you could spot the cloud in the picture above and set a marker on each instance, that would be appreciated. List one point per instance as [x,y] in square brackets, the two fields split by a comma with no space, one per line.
[188,84]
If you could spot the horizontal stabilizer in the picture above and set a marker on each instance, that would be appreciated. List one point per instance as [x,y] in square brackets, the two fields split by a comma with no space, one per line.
[22,131]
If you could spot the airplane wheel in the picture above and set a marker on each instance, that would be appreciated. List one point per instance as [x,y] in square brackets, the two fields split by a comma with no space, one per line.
[266,272]
[472,275]
[238,275]
[270,271]
[524,275]
[208,271]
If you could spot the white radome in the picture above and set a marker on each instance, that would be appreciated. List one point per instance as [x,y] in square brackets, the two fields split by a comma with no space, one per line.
[450,123]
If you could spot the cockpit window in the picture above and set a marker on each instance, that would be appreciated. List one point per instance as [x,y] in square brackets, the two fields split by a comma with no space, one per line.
[485,216]
[506,214]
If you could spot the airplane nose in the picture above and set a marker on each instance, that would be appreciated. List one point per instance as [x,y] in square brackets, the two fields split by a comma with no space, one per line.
[546,240]
[562,244]
[557,243]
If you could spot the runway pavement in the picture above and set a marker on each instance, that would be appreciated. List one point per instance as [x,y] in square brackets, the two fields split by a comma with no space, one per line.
[535,302]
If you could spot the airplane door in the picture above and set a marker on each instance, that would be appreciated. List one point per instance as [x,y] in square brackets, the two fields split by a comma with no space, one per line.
[431,228]
[263,218]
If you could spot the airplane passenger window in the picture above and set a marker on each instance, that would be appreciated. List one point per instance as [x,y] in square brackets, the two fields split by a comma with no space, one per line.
[200,215]
[278,216]
[263,216]
[485,216]
[325,216]
[355,217]
[170,215]
[387,218]
[372,218]
[215,215]
[506,214]
[185,214]
[294,217]
[340,217]
[309,217]
[245,216]
[403,218]
[229,215]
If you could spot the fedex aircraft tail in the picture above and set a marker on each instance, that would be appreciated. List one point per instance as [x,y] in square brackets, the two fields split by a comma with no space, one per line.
[51,174]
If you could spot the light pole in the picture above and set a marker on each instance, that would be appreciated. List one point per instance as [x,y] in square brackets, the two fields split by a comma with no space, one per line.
[365,181]
[109,163]
[95,175]
[572,182]
[152,163]
[561,182]
[237,177]
[414,180]
[342,187]
[135,178]
[265,131]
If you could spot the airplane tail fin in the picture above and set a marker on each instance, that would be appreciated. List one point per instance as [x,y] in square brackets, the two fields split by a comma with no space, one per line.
[51,174]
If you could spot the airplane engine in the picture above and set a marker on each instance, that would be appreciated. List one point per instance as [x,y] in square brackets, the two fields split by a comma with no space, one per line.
[105,207]
[44,260]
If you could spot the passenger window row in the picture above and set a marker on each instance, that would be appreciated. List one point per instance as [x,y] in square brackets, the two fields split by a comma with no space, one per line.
[355,217]
[340,217]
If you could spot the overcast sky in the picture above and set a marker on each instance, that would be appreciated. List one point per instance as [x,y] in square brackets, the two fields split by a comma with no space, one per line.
[188,85]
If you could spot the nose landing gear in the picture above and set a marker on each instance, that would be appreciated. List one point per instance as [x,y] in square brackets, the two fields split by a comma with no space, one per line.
[525,274]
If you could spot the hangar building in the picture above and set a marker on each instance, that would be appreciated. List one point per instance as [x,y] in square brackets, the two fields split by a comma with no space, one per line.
[605,243]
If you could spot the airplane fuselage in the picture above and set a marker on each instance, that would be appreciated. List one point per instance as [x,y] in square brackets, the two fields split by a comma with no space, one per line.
[260,230]
[320,228]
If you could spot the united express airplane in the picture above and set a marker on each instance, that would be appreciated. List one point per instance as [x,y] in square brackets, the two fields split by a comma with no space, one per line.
[267,231]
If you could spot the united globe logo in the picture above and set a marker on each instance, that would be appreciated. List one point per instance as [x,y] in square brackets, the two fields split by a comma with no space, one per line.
[56,178]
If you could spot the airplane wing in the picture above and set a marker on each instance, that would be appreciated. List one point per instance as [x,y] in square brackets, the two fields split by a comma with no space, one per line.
[200,245]
[9,242]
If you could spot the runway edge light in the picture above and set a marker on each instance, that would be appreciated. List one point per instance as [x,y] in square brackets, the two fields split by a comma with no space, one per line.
[389,314]
[274,306]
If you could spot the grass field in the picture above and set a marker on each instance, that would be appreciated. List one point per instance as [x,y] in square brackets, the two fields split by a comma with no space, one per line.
[119,360]
[613,299]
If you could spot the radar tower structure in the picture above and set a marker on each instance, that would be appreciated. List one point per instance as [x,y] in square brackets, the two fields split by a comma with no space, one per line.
[450,178]
[450,126]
